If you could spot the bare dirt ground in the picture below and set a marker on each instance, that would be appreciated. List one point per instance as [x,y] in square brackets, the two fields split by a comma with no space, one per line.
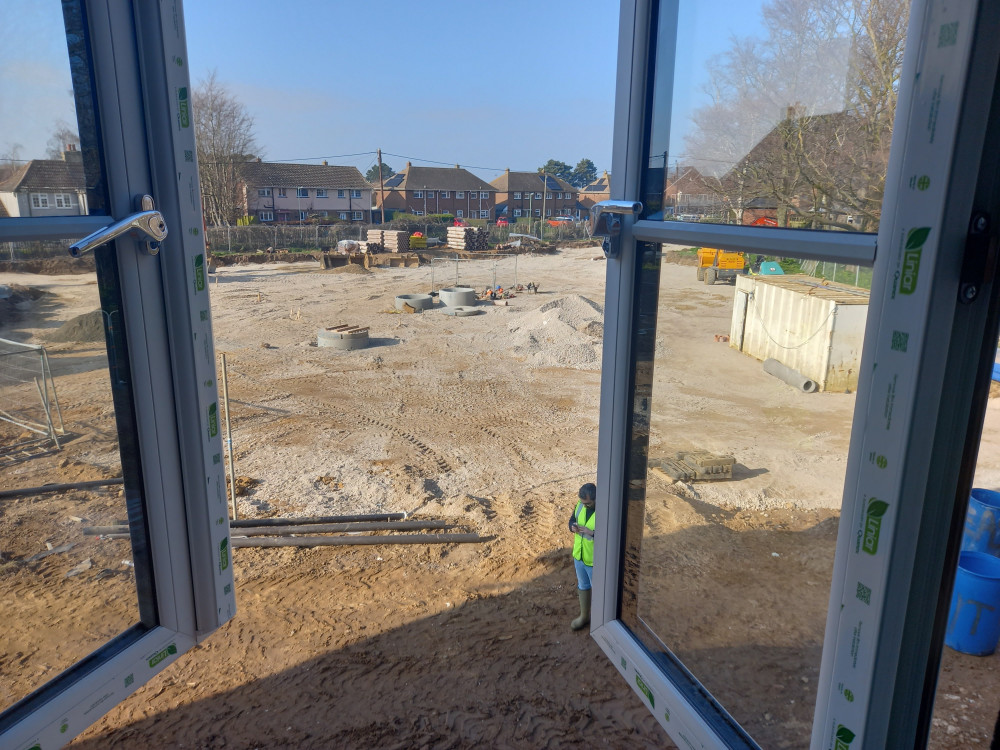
[490,422]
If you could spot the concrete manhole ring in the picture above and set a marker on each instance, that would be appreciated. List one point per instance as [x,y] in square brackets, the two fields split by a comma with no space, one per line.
[463,311]
[457,296]
[417,301]
[343,337]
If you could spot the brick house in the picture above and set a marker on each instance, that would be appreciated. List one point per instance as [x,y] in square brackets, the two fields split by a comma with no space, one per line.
[438,190]
[46,187]
[597,191]
[292,193]
[523,194]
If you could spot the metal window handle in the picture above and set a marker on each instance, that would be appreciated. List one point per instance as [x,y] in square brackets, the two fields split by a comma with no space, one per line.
[148,225]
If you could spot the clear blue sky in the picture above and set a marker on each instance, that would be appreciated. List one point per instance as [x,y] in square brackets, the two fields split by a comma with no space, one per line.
[485,85]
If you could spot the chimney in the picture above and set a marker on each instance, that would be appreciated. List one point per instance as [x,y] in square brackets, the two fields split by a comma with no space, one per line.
[408,165]
[72,154]
[258,160]
[457,167]
[325,164]
[507,171]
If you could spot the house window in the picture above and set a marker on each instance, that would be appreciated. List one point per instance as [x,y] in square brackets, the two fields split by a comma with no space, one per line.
[517,196]
[538,212]
[418,193]
[517,213]
[474,195]
[459,214]
[264,192]
[324,214]
[358,216]
[303,215]
[548,212]
[355,193]
[281,192]
[302,193]
[39,200]
[460,194]
[445,194]
[64,200]
[430,193]
[343,215]
[320,193]
[485,214]
[342,194]
[538,196]
[484,196]
[267,215]
[418,213]
[548,196]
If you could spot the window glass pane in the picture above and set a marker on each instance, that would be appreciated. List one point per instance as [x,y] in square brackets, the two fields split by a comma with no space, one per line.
[64,396]
[774,112]
[48,131]
[745,373]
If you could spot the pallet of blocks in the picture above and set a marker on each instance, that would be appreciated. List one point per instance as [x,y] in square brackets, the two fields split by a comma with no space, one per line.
[396,241]
[468,238]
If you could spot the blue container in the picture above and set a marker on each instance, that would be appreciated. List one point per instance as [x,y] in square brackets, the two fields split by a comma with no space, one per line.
[982,523]
[974,617]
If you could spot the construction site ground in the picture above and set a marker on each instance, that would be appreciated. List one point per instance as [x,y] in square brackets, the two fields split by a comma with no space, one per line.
[489,422]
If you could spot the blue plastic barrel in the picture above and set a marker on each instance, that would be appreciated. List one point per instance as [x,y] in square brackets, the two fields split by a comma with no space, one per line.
[982,523]
[974,617]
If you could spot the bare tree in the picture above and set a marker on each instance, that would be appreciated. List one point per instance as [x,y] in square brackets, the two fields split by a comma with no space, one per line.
[64,138]
[224,131]
[801,120]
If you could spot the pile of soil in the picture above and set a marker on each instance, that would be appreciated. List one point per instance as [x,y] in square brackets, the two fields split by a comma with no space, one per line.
[12,300]
[51,266]
[349,268]
[81,329]
[274,257]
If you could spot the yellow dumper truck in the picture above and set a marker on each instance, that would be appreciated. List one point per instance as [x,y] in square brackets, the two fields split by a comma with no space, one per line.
[714,265]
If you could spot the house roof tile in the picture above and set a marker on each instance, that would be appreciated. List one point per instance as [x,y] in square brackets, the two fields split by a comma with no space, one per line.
[46,174]
[527,182]
[438,178]
[277,174]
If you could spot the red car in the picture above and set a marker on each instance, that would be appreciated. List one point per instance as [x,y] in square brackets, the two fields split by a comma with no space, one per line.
[502,222]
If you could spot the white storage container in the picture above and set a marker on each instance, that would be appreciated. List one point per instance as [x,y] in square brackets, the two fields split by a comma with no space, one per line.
[812,326]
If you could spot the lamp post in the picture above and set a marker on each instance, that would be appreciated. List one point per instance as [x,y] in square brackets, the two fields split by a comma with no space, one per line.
[425,200]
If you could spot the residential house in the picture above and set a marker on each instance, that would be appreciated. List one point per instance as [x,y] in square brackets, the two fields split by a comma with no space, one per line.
[689,193]
[597,191]
[294,193]
[46,187]
[438,190]
[524,194]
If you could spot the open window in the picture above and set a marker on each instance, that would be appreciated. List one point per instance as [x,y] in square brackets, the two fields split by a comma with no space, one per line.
[750,594]
[125,132]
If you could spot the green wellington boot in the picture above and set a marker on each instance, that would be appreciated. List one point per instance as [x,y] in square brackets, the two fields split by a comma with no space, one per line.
[584,619]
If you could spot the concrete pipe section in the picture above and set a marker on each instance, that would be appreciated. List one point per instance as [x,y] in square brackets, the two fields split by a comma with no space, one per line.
[417,301]
[343,337]
[457,296]
[794,378]
[463,311]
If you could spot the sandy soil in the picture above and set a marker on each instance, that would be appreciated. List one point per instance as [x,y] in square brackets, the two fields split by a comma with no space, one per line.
[490,422]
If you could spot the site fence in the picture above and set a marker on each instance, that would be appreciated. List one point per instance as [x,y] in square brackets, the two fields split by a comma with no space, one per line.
[43,250]
[28,401]
[313,237]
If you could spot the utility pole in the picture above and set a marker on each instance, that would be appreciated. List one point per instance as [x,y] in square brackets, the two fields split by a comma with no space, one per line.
[381,185]
[545,187]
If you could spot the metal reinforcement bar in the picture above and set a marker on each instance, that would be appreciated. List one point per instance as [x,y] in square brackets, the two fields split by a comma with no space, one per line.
[332,541]
[312,528]
[47,488]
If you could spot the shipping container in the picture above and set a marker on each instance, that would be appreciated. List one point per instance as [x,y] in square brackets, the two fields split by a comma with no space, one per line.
[810,325]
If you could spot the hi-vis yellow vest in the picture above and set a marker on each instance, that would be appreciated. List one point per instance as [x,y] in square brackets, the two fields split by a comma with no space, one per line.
[583,549]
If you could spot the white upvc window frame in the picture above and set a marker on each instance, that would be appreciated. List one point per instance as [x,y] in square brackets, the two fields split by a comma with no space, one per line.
[484,214]
[459,213]
[418,193]
[517,196]
[355,193]
[460,194]
[282,192]
[937,412]
[303,215]
[177,436]
[321,193]
[64,200]
[343,215]
[341,193]
[517,213]
[358,216]
[538,196]
[301,192]
[263,192]
[40,200]
[266,216]
[445,193]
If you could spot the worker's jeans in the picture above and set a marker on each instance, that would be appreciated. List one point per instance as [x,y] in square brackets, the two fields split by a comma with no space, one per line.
[583,575]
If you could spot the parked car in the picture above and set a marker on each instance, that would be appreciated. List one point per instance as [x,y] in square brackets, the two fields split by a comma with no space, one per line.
[502,221]
[461,223]
[557,220]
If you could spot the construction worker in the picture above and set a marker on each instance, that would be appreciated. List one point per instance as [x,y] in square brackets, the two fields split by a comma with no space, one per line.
[582,523]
